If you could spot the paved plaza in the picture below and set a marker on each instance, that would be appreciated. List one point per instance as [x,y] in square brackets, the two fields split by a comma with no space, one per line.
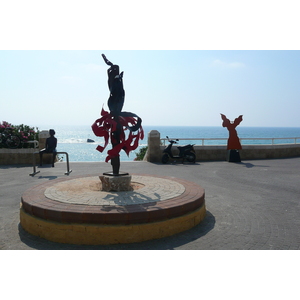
[250,205]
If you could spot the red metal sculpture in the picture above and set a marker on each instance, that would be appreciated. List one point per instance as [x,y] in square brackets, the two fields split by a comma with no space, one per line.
[233,142]
[112,125]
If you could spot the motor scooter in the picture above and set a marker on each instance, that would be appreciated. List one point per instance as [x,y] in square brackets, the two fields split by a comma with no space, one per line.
[185,152]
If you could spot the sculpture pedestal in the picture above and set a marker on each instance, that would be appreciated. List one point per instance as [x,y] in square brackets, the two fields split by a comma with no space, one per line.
[233,156]
[74,211]
[116,183]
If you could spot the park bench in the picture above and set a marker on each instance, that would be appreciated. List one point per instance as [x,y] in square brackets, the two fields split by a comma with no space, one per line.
[34,163]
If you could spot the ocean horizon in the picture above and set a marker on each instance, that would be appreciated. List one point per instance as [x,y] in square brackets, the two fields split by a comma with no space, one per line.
[73,139]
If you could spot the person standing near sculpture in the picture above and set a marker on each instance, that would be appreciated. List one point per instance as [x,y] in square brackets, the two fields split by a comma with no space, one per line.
[51,143]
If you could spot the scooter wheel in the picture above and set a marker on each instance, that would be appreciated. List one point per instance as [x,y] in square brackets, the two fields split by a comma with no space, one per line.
[165,158]
[191,157]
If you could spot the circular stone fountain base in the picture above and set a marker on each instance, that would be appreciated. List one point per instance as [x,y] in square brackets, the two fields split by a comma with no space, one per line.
[77,211]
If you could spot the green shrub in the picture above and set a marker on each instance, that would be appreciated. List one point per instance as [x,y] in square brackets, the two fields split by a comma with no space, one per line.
[140,155]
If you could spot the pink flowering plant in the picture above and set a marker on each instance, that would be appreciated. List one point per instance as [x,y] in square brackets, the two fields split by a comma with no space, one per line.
[24,132]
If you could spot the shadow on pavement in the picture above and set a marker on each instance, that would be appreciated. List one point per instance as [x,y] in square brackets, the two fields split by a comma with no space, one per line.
[249,165]
[20,166]
[47,177]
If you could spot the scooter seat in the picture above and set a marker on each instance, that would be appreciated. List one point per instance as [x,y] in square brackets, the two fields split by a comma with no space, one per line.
[183,147]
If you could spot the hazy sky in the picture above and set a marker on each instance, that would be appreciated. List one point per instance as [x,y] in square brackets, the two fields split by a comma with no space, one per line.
[52,72]
[162,87]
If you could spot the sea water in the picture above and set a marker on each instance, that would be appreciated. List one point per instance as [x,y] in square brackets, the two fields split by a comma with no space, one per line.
[73,139]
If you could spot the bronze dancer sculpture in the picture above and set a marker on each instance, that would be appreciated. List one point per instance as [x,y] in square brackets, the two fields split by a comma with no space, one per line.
[113,124]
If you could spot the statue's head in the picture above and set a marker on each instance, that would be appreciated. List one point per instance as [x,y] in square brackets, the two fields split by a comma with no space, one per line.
[115,69]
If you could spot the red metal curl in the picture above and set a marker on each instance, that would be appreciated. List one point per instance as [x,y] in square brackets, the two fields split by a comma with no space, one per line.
[106,125]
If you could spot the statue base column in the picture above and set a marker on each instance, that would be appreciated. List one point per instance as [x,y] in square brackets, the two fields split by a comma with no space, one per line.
[233,156]
[119,183]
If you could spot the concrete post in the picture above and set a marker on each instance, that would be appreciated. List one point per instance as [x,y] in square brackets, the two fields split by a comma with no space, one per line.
[153,153]
[43,135]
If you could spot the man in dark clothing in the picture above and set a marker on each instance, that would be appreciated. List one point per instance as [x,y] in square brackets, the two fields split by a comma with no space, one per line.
[51,143]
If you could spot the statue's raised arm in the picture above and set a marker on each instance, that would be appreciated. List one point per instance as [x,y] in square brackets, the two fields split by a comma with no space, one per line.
[107,61]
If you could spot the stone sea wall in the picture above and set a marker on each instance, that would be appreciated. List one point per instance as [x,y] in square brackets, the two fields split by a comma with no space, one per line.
[219,153]
[155,151]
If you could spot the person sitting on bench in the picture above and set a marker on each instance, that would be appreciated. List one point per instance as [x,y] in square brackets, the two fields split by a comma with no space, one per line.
[51,143]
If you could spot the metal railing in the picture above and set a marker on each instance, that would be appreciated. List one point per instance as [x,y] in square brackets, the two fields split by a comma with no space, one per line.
[163,140]
[35,143]
[34,163]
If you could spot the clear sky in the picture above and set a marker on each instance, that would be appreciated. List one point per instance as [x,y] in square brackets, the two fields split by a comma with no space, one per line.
[163,87]
[168,86]
[52,72]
